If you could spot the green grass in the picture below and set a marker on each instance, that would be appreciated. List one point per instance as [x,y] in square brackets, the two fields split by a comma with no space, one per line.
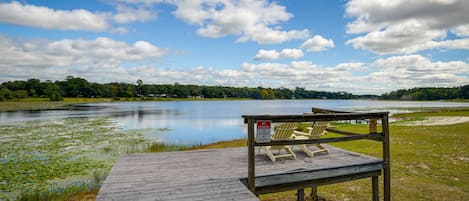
[427,163]
[222,144]
[162,147]
[84,189]
[436,112]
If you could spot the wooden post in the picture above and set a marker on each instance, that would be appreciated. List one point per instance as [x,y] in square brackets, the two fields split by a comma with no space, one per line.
[251,161]
[314,193]
[373,125]
[301,194]
[386,158]
[375,188]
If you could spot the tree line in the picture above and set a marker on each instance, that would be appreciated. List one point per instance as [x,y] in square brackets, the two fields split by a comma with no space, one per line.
[428,93]
[79,87]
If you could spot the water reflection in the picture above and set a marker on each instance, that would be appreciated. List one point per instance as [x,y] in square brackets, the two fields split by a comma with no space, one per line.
[200,122]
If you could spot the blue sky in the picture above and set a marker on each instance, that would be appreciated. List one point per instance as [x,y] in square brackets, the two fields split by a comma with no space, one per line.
[356,46]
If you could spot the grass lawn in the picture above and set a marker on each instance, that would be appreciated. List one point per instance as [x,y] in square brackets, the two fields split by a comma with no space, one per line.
[427,163]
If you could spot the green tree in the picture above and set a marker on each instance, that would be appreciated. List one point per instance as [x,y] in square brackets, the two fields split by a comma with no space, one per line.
[267,94]
[464,92]
[4,93]
[139,87]
[20,94]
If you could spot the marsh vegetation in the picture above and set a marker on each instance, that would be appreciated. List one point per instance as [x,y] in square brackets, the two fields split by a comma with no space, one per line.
[42,160]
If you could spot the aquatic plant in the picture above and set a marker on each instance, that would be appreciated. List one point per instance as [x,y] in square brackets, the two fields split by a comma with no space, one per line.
[36,154]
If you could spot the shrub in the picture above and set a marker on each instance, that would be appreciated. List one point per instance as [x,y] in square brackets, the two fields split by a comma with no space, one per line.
[56,97]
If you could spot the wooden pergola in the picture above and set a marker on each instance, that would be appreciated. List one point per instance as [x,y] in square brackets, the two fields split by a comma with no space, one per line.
[301,179]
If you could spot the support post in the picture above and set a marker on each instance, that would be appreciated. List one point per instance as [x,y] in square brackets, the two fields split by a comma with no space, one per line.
[314,193]
[386,158]
[373,125]
[301,194]
[375,188]
[251,165]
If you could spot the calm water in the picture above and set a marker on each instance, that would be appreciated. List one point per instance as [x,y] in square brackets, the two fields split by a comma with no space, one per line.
[201,122]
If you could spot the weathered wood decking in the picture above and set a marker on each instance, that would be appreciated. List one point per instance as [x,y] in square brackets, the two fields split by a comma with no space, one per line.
[215,174]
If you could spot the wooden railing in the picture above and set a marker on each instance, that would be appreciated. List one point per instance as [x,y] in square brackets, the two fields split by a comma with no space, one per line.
[319,114]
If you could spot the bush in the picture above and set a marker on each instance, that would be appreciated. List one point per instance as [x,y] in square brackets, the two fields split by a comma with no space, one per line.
[20,94]
[56,97]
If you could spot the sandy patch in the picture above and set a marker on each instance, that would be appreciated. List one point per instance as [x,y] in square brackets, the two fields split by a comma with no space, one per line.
[432,121]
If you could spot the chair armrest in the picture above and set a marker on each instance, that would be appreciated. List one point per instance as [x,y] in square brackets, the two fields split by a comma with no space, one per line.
[299,133]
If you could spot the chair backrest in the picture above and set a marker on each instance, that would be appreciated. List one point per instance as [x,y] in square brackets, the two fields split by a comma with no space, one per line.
[284,131]
[319,128]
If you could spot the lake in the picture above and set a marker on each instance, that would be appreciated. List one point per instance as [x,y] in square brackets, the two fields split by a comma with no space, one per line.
[202,122]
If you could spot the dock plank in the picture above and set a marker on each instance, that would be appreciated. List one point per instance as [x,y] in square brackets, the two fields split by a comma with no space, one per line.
[210,174]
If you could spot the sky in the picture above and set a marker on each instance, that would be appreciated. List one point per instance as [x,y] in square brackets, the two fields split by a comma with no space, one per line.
[358,46]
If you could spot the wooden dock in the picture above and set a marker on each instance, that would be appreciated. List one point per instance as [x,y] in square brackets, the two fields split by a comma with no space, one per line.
[220,174]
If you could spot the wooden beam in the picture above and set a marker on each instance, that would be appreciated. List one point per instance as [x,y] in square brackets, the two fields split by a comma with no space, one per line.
[341,132]
[375,188]
[251,161]
[316,117]
[376,136]
[321,110]
[314,193]
[316,182]
[300,194]
[373,125]
[386,159]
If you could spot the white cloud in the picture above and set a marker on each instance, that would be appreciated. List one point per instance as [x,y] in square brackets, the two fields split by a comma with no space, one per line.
[251,20]
[255,20]
[355,66]
[274,54]
[418,71]
[301,74]
[76,19]
[394,27]
[462,31]
[317,43]
[47,18]
[127,14]
[69,52]
[144,2]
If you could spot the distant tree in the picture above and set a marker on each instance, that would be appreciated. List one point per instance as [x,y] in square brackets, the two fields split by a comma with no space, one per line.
[48,88]
[129,91]
[267,94]
[283,93]
[33,86]
[76,87]
[4,93]
[20,94]
[56,97]
[464,92]
[180,91]
[139,87]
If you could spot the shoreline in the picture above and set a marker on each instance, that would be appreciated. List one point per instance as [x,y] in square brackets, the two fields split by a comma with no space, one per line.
[35,104]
